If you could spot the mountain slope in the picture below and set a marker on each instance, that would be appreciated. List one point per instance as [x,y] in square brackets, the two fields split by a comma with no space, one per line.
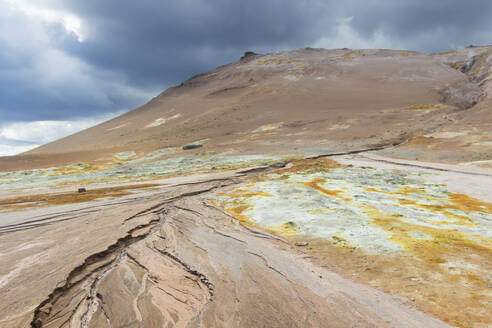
[299,100]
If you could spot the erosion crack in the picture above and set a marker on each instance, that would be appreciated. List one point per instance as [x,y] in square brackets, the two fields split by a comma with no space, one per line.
[109,258]
[157,207]
[188,268]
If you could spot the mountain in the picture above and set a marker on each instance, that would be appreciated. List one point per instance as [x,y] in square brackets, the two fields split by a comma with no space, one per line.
[330,100]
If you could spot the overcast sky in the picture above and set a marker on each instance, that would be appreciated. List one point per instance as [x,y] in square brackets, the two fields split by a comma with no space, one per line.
[68,64]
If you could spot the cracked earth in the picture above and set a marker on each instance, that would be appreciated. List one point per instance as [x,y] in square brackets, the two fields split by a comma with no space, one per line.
[177,255]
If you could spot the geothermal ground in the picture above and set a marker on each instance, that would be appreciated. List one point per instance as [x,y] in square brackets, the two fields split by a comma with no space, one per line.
[312,188]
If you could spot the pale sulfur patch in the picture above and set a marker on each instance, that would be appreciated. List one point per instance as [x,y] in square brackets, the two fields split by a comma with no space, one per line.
[459,266]
[483,164]
[125,155]
[162,120]
[117,127]
[424,108]
[483,143]
[268,127]
[448,135]
[342,126]
[339,126]
[291,77]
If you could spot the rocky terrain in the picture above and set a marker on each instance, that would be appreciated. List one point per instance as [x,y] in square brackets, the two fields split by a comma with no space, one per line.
[310,188]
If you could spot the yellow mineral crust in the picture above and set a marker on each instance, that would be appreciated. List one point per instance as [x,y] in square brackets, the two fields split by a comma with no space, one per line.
[413,236]
[288,228]
[420,107]
[315,184]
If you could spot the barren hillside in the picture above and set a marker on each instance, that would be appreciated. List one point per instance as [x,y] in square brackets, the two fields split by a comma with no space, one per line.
[307,99]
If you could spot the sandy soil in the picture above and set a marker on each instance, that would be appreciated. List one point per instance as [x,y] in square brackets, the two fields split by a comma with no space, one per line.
[171,259]
[256,225]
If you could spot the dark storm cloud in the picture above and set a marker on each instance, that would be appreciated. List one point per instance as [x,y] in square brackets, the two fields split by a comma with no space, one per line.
[131,50]
[162,42]
[428,26]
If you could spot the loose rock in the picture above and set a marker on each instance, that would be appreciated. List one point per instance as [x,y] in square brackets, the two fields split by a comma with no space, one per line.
[191,146]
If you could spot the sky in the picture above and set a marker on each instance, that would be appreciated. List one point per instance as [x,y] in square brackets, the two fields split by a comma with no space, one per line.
[66,65]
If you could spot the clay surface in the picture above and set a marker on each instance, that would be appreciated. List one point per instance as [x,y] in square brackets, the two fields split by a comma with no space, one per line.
[309,188]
